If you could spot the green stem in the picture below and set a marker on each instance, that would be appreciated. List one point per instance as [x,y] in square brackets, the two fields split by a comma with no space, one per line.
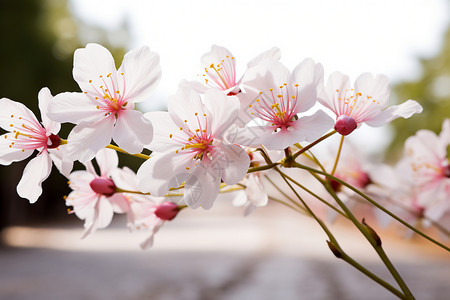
[338,155]
[341,254]
[140,155]
[261,168]
[306,148]
[374,203]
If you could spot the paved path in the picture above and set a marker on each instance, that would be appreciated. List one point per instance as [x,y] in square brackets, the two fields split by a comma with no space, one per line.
[212,256]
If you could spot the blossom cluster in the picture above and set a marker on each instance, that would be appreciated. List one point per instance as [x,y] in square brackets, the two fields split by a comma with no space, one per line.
[207,141]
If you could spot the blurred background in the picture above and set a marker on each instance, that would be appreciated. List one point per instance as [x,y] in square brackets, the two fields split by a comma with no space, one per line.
[409,41]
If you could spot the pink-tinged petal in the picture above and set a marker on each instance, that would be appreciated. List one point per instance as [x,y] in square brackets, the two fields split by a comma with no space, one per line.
[163,171]
[132,131]
[107,161]
[246,136]
[308,128]
[11,112]
[80,180]
[404,110]
[149,241]
[233,160]
[37,170]
[184,105]
[119,203]
[202,187]
[45,97]
[89,64]
[378,87]
[100,217]
[61,160]
[272,54]
[199,87]
[73,108]
[336,83]
[444,136]
[85,139]
[163,129]
[9,155]
[223,111]
[142,73]
[266,75]
[309,76]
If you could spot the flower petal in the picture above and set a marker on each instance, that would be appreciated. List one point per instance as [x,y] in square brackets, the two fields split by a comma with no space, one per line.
[404,110]
[233,160]
[9,155]
[132,131]
[336,83]
[14,109]
[73,108]
[142,73]
[107,161]
[272,54]
[378,87]
[163,129]
[37,170]
[89,64]
[163,171]
[45,97]
[61,160]
[202,187]
[309,76]
[86,139]
[223,111]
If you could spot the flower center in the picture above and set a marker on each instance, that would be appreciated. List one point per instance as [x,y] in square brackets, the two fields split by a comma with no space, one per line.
[26,134]
[108,95]
[278,109]
[103,186]
[54,141]
[195,137]
[354,104]
[222,75]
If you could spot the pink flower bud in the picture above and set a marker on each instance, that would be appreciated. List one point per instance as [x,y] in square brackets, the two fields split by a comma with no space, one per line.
[167,211]
[447,171]
[103,186]
[345,125]
[53,141]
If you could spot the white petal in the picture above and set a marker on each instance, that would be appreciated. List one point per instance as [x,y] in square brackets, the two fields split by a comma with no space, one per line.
[224,111]
[202,187]
[336,82]
[86,139]
[377,87]
[9,155]
[142,73]
[233,161]
[45,97]
[100,217]
[309,76]
[404,110]
[184,105]
[89,64]
[12,108]
[37,170]
[163,128]
[132,131]
[107,161]
[73,108]
[163,171]
[272,54]
[61,160]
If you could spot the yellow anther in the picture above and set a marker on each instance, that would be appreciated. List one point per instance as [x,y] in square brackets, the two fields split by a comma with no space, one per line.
[293,97]
[96,98]
[108,75]
[196,114]
[17,134]
[12,116]
[211,65]
[250,105]
[185,121]
[121,73]
[284,83]
[90,81]
[181,128]
[281,86]
[271,89]
[204,115]
[204,130]
[101,76]
[98,107]
[257,100]
[358,94]
[11,125]
[118,92]
[296,85]
[6,136]
[176,151]
[23,150]
[280,96]
[187,168]
[170,135]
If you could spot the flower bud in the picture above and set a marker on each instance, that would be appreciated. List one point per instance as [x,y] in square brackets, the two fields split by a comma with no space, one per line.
[54,141]
[372,232]
[345,125]
[334,249]
[103,186]
[167,211]
[447,171]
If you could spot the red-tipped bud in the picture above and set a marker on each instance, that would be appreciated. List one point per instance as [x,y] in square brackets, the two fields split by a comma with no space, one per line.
[345,125]
[54,141]
[167,211]
[103,186]
[447,171]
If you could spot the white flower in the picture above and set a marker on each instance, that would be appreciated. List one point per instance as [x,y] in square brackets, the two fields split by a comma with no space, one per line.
[26,134]
[274,97]
[105,109]
[189,147]
[367,102]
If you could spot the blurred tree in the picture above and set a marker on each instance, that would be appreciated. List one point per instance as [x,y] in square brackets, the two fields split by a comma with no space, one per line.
[37,45]
[432,90]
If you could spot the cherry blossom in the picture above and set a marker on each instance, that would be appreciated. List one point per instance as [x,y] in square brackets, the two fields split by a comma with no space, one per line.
[367,102]
[26,134]
[188,147]
[274,99]
[427,156]
[105,108]
[94,197]
[219,66]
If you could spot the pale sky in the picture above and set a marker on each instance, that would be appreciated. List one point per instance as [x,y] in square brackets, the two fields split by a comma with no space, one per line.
[352,36]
